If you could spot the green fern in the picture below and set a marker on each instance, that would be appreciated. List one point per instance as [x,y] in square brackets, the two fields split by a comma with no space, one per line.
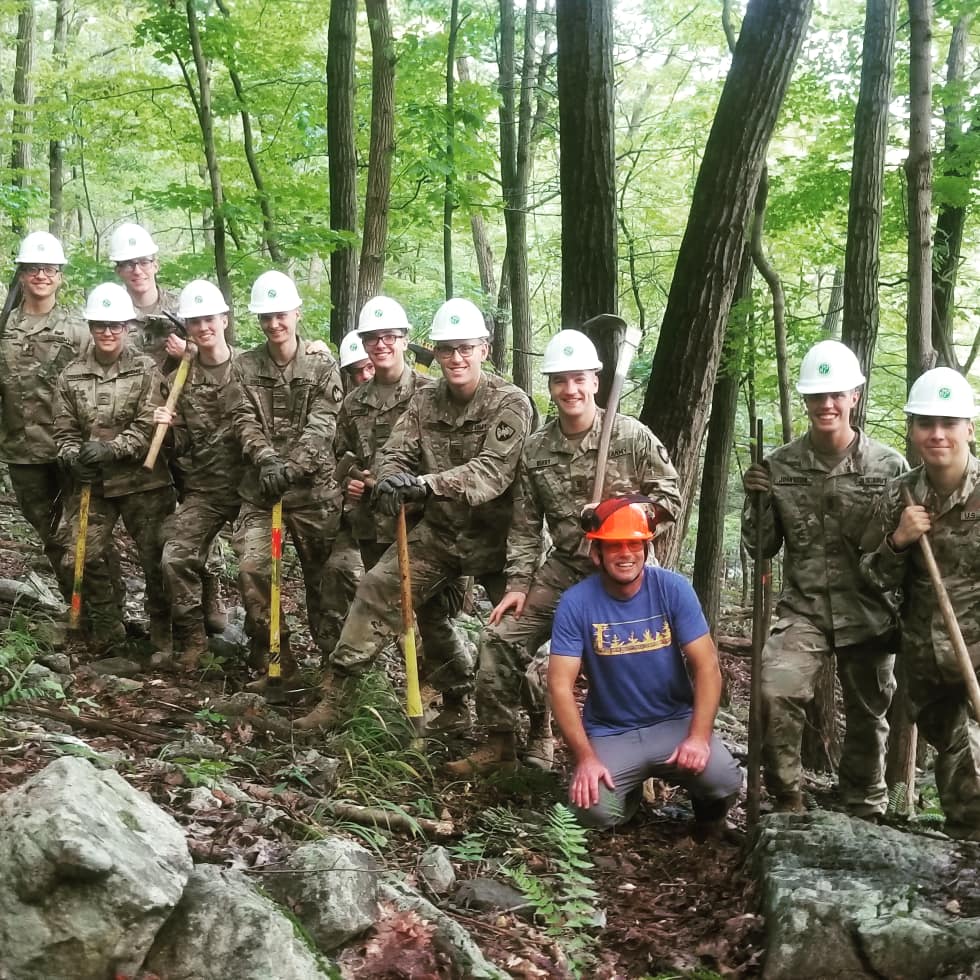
[17,652]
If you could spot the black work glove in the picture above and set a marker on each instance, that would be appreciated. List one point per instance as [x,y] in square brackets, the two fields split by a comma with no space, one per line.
[398,489]
[273,479]
[95,453]
[80,471]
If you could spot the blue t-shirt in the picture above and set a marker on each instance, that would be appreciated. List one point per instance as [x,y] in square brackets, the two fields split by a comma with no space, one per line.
[631,649]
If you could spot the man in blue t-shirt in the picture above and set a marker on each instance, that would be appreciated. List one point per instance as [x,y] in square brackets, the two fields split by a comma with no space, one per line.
[640,636]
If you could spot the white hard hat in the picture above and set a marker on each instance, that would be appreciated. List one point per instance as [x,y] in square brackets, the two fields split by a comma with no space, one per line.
[942,391]
[351,350]
[458,319]
[131,241]
[570,350]
[382,313]
[201,298]
[40,248]
[827,367]
[274,292]
[109,303]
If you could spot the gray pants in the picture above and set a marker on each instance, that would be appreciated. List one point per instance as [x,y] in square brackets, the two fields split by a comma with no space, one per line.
[635,756]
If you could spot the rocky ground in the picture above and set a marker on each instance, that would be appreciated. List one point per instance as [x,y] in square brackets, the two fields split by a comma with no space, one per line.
[245,791]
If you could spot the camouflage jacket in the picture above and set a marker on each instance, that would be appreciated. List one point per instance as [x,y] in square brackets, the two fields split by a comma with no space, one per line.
[366,420]
[819,516]
[112,404]
[33,352]
[468,455]
[150,336]
[955,540]
[207,456]
[290,413]
[555,484]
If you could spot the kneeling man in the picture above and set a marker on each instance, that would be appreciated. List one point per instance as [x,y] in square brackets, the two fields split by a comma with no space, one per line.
[654,681]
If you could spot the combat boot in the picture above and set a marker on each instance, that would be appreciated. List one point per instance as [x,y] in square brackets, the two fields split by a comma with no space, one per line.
[498,755]
[273,690]
[540,744]
[215,613]
[336,706]
[455,718]
[194,645]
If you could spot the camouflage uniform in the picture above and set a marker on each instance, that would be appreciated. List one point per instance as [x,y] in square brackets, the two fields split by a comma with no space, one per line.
[468,455]
[367,418]
[936,691]
[554,485]
[209,468]
[33,352]
[115,404]
[154,328]
[826,607]
[290,412]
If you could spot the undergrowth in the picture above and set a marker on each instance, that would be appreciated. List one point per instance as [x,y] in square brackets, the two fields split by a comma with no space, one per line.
[18,651]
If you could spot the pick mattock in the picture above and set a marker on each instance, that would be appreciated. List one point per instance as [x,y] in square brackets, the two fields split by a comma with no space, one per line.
[75,613]
[178,386]
[275,596]
[413,696]
[760,629]
[949,617]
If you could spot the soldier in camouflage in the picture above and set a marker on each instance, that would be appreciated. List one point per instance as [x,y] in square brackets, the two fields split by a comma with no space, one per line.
[355,365]
[40,338]
[284,402]
[555,484]
[818,494]
[103,424]
[455,450]
[208,462]
[946,487]
[366,420]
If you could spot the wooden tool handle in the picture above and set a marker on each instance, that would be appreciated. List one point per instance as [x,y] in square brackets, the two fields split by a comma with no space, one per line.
[160,432]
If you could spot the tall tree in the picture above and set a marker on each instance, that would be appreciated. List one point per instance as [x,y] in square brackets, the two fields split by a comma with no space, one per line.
[23,93]
[56,146]
[862,260]
[341,40]
[686,361]
[374,240]
[918,172]
[588,159]
[449,189]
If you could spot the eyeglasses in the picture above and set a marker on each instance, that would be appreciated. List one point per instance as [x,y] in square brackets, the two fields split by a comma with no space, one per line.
[113,328]
[130,264]
[445,352]
[33,271]
[388,339]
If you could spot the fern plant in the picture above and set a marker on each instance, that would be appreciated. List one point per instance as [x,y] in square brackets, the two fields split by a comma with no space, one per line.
[17,652]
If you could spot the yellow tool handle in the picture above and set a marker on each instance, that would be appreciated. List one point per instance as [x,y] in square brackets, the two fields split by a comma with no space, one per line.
[75,613]
[275,662]
[413,695]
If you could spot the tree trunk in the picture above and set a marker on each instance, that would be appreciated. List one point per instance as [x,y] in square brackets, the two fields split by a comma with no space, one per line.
[513,133]
[341,153]
[713,502]
[449,192]
[862,259]
[587,160]
[56,147]
[951,217]
[832,318]
[21,129]
[375,235]
[918,171]
[206,121]
[768,272]
[686,360]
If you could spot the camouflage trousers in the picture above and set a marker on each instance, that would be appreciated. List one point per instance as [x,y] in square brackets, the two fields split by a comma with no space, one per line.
[189,534]
[338,583]
[791,663]
[143,515]
[941,711]
[312,529]
[441,643]
[513,669]
[375,615]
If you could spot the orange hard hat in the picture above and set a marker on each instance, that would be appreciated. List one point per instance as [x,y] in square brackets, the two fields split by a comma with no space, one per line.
[621,523]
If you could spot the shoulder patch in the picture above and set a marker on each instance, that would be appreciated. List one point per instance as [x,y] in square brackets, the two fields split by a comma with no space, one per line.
[503,432]
[337,394]
[662,453]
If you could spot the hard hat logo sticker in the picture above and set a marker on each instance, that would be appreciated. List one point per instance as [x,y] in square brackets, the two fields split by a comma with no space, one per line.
[945,393]
[454,319]
[568,350]
[107,302]
[132,241]
[824,368]
[379,313]
[271,294]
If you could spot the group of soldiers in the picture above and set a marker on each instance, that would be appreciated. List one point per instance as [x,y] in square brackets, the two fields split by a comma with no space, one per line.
[345,446]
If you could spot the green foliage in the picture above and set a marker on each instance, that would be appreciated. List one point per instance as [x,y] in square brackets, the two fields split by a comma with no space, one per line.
[202,772]
[18,650]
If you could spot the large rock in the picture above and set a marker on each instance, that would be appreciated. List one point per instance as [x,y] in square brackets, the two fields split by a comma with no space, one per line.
[332,887]
[224,928]
[89,871]
[846,899]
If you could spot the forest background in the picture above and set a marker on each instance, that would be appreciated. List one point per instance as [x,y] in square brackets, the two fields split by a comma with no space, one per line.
[412,148]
